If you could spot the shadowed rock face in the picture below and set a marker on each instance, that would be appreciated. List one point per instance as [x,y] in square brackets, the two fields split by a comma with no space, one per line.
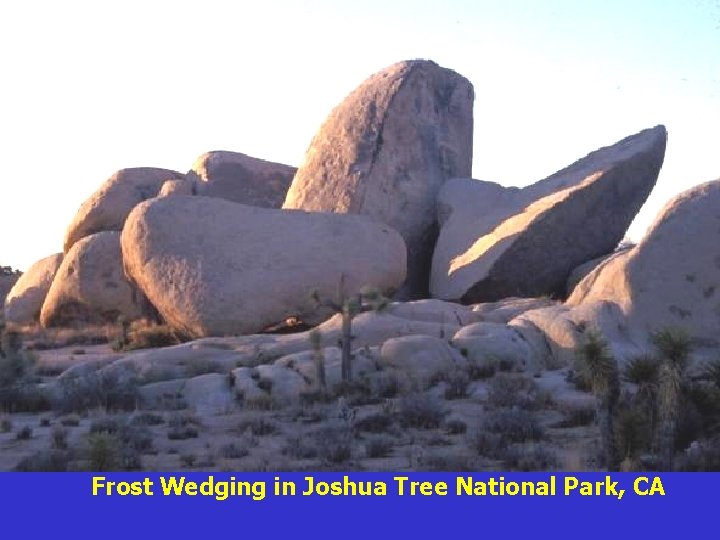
[25,299]
[386,150]
[672,277]
[499,242]
[107,208]
[214,267]
[90,285]
[241,178]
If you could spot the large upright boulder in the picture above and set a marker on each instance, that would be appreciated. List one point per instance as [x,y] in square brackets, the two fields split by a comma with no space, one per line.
[214,267]
[672,277]
[107,208]
[241,178]
[25,299]
[499,242]
[90,286]
[385,152]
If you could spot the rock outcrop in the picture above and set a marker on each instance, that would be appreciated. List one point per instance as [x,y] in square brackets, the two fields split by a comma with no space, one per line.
[24,301]
[214,267]
[107,208]
[240,178]
[386,150]
[90,286]
[672,277]
[499,242]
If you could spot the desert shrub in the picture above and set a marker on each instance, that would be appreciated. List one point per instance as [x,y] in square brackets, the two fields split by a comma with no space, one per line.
[132,439]
[258,427]
[385,385]
[147,418]
[507,390]
[455,427]
[641,370]
[45,422]
[482,370]
[148,337]
[103,452]
[444,462]
[334,444]
[45,461]
[420,411]
[374,423]
[70,421]
[576,417]
[528,458]
[514,426]
[24,433]
[378,446]
[58,438]
[99,389]
[457,382]
[182,427]
[188,460]
[263,402]
[300,448]
[5,425]
[488,444]
[234,450]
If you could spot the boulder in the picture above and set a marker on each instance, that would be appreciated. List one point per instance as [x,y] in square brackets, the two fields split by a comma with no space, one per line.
[495,343]
[304,364]
[496,242]
[240,178]
[672,277]
[420,358]
[432,310]
[24,301]
[107,208]
[386,150]
[209,393]
[214,267]
[177,186]
[505,310]
[90,286]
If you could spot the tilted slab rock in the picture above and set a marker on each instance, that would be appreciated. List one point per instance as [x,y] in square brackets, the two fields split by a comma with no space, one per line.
[213,267]
[24,301]
[672,277]
[107,208]
[386,150]
[90,286]
[241,178]
[496,242]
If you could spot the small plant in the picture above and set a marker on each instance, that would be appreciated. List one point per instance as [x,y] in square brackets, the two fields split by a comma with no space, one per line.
[24,433]
[5,425]
[258,427]
[642,370]
[378,447]
[45,461]
[349,307]
[182,427]
[514,425]
[600,369]
[143,336]
[420,411]
[59,438]
[104,452]
[455,427]
[334,444]
[673,347]
[374,423]
[188,460]
[234,451]
[513,390]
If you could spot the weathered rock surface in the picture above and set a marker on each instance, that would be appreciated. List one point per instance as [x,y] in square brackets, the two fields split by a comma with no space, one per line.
[177,186]
[241,178]
[24,301]
[386,150]
[107,208]
[488,343]
[672,277]
[90,285]
[213,267]
[504,311]
[420,358]
[497,242]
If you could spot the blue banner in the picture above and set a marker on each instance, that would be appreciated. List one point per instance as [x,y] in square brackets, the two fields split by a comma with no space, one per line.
[356,505]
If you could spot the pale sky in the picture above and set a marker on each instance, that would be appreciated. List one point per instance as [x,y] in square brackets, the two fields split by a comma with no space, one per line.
[89,87]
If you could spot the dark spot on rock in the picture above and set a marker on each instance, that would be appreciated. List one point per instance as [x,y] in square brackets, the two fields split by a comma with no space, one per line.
[690,278]
[680,312]
[708,292]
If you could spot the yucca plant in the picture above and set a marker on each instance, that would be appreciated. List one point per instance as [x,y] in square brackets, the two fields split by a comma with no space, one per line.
[368,299]
[600,369]
[673,348]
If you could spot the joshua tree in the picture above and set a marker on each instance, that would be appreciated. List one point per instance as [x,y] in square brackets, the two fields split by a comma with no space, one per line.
[673,348]
[600,370]
[319,358]
[367,299]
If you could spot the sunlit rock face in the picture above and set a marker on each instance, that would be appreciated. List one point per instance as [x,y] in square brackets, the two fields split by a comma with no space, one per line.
[498,242]
[213,267]
[241,178]
[386,150]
